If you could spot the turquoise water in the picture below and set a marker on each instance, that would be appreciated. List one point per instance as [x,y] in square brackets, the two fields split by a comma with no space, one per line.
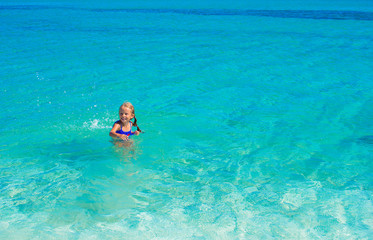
[257,120]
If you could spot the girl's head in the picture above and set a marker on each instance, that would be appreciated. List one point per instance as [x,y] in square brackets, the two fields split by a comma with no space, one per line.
[127,112]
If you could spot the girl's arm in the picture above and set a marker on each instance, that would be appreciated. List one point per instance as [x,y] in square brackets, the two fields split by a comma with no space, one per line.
[113,133]
[135,132]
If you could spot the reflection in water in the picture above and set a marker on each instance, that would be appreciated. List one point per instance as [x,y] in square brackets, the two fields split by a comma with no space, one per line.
[127,150]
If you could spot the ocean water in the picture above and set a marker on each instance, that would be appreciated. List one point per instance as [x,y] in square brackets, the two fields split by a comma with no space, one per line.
[257,120]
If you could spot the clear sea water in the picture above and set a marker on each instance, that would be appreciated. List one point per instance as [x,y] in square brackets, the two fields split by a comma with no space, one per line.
[258,120]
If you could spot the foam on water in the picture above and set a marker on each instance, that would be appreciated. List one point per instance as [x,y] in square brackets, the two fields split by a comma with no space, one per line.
[257,121]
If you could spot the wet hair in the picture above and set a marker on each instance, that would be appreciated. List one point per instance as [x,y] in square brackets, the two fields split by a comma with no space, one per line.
[130,106]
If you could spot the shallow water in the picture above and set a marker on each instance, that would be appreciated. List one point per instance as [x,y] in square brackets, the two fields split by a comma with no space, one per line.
[258,121]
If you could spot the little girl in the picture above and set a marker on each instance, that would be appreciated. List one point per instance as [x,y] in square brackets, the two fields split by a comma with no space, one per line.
[122,127]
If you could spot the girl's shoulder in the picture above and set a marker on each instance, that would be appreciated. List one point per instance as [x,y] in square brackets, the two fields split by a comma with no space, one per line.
[117,122]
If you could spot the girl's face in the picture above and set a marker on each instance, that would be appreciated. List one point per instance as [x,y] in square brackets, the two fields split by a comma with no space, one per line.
[125,114]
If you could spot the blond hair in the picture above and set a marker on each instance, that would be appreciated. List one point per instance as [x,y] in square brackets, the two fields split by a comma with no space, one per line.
[130,106]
